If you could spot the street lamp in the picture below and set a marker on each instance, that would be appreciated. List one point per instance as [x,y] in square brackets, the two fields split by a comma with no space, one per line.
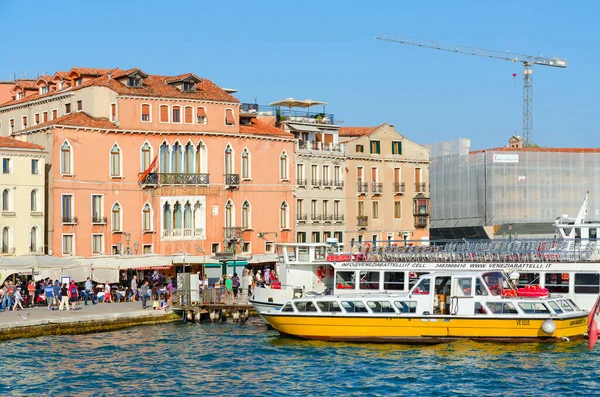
[136,246]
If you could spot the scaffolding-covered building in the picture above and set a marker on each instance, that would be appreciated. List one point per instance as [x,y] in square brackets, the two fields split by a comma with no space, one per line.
[509,190]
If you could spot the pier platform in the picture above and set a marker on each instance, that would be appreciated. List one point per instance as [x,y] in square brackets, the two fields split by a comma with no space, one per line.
[39,321]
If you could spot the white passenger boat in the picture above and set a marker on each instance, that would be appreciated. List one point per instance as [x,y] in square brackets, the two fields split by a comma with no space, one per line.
[441,307]
[568,265]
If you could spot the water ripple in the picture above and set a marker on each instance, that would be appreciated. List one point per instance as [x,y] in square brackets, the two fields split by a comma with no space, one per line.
[229,359]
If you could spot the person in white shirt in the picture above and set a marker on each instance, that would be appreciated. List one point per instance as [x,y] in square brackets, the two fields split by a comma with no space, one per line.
[250,282]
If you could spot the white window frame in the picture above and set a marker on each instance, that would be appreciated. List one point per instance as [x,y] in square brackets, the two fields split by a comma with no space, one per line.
[101,235]
[72,214]
[10,199]
[113,175]
[62,244]
[168,113]
[10,166]
[151,229]
[249,176]
[39,117]
[286,167]
[284,225]
[37,200]
[121,218]
[71,159]
[141,113]
[225,117]
[205,117]
[248,226]
[180,114]
[142,167]
[193,115]
[92,206]
[148,245]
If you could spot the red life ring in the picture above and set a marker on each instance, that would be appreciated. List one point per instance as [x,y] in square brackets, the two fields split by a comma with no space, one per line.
[321,272]
[366,247]
[330,271]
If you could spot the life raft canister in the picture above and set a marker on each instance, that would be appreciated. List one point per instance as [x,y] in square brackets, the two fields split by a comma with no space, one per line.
[321,272]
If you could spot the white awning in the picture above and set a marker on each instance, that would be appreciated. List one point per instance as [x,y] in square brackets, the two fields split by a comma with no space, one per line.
[305,128]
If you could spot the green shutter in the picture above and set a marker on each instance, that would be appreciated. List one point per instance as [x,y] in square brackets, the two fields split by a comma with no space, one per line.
[400,147]
[378,147]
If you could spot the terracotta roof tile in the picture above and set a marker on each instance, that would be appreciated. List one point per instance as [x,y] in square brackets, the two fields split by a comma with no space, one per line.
[25,84]
[357,131]
[257,127]
[11,143]
[47,79]
[60,75]
[79,119]
[174,79]
[89,71]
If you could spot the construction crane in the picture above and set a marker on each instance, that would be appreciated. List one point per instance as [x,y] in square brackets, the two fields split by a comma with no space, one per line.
[527,60]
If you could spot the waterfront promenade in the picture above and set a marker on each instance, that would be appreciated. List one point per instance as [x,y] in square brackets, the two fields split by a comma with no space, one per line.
[40,321]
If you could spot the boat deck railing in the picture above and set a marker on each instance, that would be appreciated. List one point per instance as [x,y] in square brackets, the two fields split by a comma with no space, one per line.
[571,250]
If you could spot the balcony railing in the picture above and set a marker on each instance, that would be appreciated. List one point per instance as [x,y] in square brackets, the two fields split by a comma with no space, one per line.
[420,187]
[321,147]
[315,182]
[168,178]
[99,219]
[338,184]
[327,183]
[231,233]
[362,187]
[338,218]
[301,217]
[37,250]
[421,221]
[69,219]
[287,114]
[399,188]
[182,233]
[315,217]
[232,179]
[328,218]
[301,182]
[6,250]
[377,187]
[362,221]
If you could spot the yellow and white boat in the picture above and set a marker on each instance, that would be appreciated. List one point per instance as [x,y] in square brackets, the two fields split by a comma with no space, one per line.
[440,307]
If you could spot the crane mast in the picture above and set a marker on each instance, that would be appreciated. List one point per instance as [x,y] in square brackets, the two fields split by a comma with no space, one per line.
[527,60]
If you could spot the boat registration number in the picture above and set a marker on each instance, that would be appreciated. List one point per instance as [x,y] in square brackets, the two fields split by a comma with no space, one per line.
[523,322]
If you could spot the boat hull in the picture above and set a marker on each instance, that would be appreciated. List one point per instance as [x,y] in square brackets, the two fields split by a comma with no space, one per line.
[424,328]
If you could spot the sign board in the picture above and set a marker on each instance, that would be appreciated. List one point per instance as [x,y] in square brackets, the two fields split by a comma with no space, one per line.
[506,158]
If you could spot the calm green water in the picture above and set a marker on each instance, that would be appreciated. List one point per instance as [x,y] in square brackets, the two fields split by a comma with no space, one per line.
[229,359]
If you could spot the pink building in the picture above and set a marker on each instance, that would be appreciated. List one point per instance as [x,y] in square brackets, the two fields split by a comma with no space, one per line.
[140,163]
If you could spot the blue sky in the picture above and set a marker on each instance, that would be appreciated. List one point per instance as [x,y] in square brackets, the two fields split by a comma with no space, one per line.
[326,50]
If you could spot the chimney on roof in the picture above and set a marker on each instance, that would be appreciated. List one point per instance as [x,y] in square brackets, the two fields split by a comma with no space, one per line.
[109,75]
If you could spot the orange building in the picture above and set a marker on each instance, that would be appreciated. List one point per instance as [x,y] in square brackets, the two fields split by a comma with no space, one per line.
[139,163]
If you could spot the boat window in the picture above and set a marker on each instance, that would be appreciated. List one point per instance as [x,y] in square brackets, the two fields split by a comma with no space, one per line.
[393,280]
[291,254]
[311,307]
[501,308]
[300,306]
[557,282]
[555,307]
[495,282]
[423,287]
[464,286]
[381,307]
[587,283]
[528,279]
[280,254]
[533,307]
[344,280]
[413,277]
[287,308]
[406,306]
[574,305]
[320,253]
[354,306]
[480,289]
[369,280]
[479,308]
[303,254]
[329,306]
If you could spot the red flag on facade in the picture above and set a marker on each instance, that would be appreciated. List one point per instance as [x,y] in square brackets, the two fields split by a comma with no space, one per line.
[593,325]
[147,172]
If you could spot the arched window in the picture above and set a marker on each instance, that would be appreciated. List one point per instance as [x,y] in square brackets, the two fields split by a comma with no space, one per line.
[246,215]
[177,216]
[246,164]
[65,159]
[33,239]
[228,160]
[283,166]
[34,200]
[283,215]
[147,218]
[187,216]
[115,161]
[6,200]
[145,157]
[116,217]
[189,158]
[164,158]
[229,217]
[167,217]
[201,158]
[176,158]
[6,240]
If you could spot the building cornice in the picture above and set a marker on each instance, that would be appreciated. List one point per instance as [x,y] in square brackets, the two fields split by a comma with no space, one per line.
[388,160]
[26,104]
[150,98]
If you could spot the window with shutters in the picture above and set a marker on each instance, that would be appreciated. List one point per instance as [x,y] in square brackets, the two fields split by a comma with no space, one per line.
[115,161]
[44,117]
[37,118]
[66,159]
[396,147]
[201,115]
[54,114]
[164,113]
[79,105]
[176,118]
[397,209]
[12,125]
[67,108]
[188,115]
[375,147]
[113,112]
[145,112]
[360,148]
[24,121]
[229,120]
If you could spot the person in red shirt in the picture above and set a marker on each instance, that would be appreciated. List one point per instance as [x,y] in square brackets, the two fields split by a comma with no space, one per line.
[31,292]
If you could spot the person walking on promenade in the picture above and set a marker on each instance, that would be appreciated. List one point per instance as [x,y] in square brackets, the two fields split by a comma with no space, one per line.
[107,297]
[144,294]
[4,295]
[56,288]
[18,299]
[64,298]
[235,281]
[229,288]
[73,294]
[250,282]
[134,288]
[10,294]
[49,291]
[31,293]
[89,291]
